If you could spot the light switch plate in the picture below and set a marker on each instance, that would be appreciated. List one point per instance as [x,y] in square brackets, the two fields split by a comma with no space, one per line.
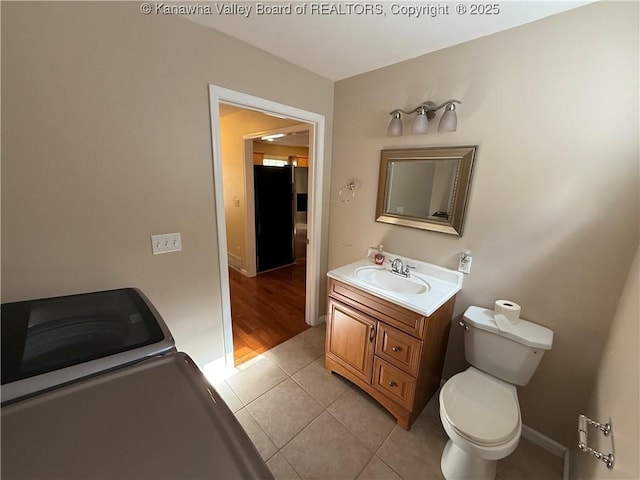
[165,243]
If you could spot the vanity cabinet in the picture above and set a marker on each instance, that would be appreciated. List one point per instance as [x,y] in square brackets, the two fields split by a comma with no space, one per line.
[394,354]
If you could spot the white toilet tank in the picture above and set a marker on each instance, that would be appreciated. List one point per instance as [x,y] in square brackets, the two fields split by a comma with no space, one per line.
[511,355]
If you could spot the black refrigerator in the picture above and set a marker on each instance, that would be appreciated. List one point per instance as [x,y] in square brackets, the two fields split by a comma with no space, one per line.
[273,193]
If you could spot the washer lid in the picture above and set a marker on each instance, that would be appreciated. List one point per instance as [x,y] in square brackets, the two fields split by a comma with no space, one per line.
[159,418]
[479,408]
[524,332]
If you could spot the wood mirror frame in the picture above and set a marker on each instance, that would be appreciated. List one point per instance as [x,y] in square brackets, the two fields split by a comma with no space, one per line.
[433,182]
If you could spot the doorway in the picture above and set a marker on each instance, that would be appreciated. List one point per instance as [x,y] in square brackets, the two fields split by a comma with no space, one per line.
[267,283]
[219,95]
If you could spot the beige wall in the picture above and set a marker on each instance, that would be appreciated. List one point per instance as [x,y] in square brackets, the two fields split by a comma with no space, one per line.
[554,209]
[232,128]
[106,140]
[616,396]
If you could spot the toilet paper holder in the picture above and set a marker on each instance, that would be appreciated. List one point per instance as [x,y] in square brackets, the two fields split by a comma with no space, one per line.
[605,428]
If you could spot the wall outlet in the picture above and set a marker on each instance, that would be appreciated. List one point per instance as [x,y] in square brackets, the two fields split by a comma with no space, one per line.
[464,263]
[165,243]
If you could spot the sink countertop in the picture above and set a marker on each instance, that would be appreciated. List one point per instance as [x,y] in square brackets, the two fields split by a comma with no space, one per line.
[443,282]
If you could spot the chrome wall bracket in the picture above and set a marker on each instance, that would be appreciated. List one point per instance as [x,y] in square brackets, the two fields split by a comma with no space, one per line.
[605,428]
[343,193]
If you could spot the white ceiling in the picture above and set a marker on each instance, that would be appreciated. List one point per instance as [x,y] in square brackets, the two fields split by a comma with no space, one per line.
[292,139]
[338,46]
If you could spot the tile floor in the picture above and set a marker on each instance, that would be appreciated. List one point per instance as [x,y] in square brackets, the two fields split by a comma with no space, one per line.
[310,424]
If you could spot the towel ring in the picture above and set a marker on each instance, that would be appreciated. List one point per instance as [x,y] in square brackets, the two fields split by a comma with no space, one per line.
[349,187]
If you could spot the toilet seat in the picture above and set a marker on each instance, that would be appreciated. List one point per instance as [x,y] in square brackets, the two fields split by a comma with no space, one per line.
[481,408]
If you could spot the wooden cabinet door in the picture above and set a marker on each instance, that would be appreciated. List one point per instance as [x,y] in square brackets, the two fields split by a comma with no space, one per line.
[351,339]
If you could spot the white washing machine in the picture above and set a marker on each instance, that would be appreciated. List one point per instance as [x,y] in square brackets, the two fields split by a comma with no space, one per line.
[92,387]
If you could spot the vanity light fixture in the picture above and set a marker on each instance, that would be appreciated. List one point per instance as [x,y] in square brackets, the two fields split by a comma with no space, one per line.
[424,112]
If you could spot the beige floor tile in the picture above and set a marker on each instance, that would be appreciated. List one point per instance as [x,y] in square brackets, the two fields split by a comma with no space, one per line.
[263,443]
[322,385]
[363,416]
[376,469]
[327,450]
[416,453]
[280,468]
[289,413]
[251,382]
[294,354]
[284,411]
[229,397]
[530,462]
[315,335]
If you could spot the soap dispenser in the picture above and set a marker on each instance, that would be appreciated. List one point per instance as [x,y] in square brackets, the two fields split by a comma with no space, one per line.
[379,256]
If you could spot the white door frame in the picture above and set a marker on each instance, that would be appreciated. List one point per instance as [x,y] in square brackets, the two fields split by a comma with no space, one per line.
[219,95]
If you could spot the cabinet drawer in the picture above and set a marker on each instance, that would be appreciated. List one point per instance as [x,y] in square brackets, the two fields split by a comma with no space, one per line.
[393,382]
[401,318]
[398,348]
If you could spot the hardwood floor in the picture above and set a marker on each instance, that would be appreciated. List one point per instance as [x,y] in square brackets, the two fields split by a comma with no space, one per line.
[266,310]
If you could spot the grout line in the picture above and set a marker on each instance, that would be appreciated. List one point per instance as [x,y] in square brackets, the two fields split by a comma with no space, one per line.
[352,433]
[287,376]
[364,466]
[381,444]
[280,450]
[289,463]
[387,437]
[532,435]
[390,467]
[265,433]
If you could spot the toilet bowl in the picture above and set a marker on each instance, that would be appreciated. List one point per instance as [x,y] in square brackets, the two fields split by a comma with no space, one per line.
[479,407]
[481,416]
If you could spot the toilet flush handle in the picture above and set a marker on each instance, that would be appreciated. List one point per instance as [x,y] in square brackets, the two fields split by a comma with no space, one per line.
[464,326]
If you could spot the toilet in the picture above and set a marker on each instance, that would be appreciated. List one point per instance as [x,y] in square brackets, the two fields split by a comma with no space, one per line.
[479,407]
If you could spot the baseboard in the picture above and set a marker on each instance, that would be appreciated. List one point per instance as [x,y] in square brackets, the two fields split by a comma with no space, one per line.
[320,320]
[565,469]
[550,446]
[234,261]
[543,441]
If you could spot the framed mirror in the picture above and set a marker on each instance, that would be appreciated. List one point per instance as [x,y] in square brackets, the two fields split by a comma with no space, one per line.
[425,188]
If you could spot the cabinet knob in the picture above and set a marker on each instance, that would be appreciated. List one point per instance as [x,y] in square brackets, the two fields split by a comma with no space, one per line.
[391,383]
[395,349]
[372,333]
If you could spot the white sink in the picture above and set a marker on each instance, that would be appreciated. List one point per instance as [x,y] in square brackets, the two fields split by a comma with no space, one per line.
[426,289]
[381,278]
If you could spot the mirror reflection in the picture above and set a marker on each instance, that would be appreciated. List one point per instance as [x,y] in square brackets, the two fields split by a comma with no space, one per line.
[425,188]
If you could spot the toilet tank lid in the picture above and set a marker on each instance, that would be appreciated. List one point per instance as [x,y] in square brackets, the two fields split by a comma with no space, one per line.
[525,332]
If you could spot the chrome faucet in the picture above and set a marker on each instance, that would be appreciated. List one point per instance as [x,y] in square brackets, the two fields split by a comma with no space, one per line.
[399,268]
